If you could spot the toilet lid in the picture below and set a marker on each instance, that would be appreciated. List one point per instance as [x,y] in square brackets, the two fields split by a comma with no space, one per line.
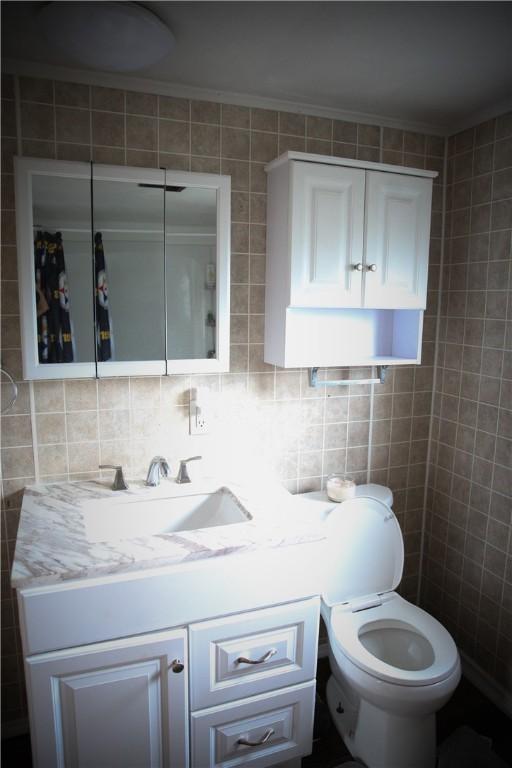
[365,551]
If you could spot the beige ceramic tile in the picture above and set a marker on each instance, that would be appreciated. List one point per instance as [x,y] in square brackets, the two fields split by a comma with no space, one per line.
[72,94]
[49,396]
[73,125]
[51,428]
[81,395]
[82,426]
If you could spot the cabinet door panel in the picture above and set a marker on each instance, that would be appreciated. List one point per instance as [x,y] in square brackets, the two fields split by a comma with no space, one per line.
[113,704]
[397,240]
[326,235]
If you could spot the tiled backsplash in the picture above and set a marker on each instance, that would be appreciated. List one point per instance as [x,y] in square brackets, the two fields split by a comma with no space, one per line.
[65,429]
[468,564]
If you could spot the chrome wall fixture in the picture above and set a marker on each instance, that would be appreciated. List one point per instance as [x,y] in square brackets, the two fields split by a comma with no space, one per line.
[314,382]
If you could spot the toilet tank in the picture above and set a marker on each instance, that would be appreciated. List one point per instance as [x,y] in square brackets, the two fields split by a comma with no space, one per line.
[372,490]
[375,491]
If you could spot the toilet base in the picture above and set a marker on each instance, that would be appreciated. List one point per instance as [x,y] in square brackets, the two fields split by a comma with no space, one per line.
[381,739]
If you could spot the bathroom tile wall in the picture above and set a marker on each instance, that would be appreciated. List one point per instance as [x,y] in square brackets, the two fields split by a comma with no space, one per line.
[66,429]
[468,563]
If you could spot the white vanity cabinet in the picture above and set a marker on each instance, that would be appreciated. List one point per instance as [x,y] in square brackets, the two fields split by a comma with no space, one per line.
[236,689]
[116,704]
[347,261]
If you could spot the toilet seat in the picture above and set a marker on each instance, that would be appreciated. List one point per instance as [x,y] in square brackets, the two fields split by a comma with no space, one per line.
[433,642]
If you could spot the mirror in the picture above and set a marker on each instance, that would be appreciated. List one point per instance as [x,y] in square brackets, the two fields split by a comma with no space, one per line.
[191,272]
[139,278]
[128,217]
[61,216]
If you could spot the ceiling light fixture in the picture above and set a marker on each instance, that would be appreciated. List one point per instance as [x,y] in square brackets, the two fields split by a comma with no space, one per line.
[109,36]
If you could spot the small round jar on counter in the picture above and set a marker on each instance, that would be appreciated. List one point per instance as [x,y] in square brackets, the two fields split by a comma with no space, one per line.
[340,488]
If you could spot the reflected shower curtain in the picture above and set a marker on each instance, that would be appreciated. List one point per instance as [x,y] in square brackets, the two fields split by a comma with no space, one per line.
[103,327]
[54,332]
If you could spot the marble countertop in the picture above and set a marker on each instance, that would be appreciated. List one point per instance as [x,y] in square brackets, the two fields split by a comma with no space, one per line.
[52,544]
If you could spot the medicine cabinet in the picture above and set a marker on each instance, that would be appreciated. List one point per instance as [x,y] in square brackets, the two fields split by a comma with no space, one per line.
[347,262]
[123,271]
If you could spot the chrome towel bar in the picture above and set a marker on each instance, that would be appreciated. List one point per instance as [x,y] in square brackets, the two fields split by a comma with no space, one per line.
[314,382]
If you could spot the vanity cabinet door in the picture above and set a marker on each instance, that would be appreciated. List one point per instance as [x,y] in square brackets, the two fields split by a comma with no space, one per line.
[326,235]
[116,704]
[397,240]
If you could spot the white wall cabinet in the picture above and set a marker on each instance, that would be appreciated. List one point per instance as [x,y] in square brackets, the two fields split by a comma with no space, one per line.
[347,261]
[114,704]
[397,236]
[326,235]
[125,702]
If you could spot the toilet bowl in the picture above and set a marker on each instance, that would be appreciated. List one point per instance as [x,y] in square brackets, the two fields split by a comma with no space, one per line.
[393,665]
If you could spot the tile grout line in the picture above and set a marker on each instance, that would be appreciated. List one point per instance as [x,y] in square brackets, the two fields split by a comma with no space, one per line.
[435,374]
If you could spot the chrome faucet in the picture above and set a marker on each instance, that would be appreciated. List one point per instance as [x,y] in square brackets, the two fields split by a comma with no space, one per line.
[183,472]
[158,467]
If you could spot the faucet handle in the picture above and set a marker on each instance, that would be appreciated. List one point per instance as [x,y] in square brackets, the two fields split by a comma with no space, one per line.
[119,483]
[183,476]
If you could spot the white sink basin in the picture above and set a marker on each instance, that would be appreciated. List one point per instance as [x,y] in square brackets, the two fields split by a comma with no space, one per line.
[128,518]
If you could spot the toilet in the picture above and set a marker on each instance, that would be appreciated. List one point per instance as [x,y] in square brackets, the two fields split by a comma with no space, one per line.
[393,665]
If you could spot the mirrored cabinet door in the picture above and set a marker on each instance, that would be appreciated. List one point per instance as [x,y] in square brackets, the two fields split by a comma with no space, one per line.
[54,226]
[123,271]
[129,267]
[197,272]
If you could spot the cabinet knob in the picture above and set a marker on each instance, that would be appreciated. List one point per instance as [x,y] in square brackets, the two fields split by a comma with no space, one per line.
[371,267]
[358,267]
[176,666]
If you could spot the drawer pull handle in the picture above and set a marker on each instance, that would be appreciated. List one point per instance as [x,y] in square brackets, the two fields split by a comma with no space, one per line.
[248,743]
[268,655]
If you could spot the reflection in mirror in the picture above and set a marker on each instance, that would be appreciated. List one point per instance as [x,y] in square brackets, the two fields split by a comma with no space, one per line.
[191,258]
[61,215]
[129,267]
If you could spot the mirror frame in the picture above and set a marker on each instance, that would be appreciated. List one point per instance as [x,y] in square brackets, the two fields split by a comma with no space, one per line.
[25,169]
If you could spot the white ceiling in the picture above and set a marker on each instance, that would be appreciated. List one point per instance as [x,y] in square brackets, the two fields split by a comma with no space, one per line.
[440,66]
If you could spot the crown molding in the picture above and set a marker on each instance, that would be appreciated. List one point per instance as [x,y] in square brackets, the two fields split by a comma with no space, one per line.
[481,116]
[163,88]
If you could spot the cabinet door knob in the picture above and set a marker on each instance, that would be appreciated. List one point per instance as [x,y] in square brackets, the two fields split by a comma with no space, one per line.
[176,666]
[371,267]
[358,266]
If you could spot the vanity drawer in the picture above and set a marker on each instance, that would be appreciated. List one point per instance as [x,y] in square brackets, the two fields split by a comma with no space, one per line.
[277,725]
[254,652]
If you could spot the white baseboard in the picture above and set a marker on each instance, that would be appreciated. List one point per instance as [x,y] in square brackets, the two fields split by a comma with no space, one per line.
[486,685]
[13,728]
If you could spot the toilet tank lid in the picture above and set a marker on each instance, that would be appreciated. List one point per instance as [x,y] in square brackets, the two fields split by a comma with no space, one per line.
[375,491]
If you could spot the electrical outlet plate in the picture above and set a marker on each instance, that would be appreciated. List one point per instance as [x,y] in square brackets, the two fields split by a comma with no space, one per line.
[197,424]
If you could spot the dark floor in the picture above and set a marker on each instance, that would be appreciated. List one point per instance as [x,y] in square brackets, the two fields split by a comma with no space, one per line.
[467,707]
